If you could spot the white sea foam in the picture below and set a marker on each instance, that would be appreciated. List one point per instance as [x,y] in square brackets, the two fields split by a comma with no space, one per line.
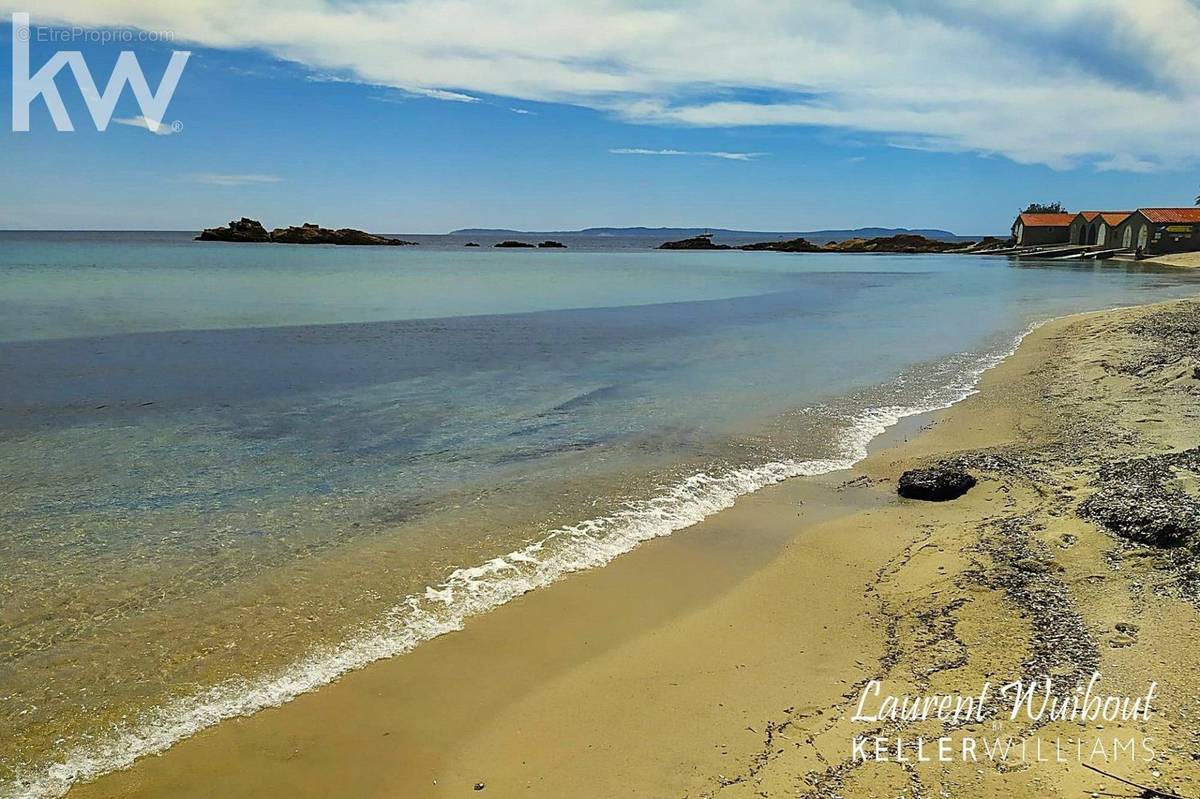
[472,590]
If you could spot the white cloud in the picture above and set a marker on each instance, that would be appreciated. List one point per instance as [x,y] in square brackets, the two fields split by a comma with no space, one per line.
[710,154]
[214,179]
[154,126]
[1058,82]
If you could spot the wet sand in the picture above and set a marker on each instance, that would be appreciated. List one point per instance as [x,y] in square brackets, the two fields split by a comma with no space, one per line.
[727,659]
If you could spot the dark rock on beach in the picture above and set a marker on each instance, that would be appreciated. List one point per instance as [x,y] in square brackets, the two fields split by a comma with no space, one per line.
[512,244]
[251,230]
[240,230]
[702,242]
[936,484]
[791,245]
[1143,500]
[552,245]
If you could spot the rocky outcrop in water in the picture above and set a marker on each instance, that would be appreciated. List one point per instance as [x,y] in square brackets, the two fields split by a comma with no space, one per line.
[315,234]
[907,243]
[239,230]
[791,245]
[702,242]
[550,245]
[936,484]
[990,243]
[509,243]
[251,230]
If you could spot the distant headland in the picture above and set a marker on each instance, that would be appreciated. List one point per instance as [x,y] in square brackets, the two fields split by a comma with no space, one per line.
[819,236]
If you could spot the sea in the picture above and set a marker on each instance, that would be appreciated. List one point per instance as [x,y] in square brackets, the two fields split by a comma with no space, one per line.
[231,473]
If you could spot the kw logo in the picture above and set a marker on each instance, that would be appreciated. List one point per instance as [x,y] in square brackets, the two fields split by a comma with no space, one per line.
[26,88]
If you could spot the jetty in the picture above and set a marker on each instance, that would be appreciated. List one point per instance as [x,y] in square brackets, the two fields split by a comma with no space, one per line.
[1070,252]
[1095,254]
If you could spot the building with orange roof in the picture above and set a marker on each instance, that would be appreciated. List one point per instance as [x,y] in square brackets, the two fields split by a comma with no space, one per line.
[1096,227]
[1030,230]
[1159,231]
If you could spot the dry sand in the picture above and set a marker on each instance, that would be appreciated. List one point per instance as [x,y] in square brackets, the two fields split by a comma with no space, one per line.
[1182,259]
[727,660]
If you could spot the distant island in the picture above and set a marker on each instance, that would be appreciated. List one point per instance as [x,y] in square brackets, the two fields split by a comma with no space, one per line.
[906,243]
[819,236]
[545,245]
[251,231]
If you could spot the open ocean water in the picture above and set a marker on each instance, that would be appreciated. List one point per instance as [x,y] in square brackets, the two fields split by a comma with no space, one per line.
[230,473]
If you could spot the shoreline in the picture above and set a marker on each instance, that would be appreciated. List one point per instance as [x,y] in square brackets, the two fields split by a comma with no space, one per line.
[405,722]
[179,721]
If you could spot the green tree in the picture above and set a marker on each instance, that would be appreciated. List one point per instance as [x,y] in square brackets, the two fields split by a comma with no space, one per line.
[1055,208]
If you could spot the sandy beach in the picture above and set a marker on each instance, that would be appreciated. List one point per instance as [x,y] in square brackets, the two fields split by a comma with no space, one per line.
[728,660]
[1182,259]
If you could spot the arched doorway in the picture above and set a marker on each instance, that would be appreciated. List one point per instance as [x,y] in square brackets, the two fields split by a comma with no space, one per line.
[1143,237]
[1102,234]
[1127,242]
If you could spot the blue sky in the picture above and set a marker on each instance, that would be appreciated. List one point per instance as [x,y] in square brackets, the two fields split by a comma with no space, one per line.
[391,123]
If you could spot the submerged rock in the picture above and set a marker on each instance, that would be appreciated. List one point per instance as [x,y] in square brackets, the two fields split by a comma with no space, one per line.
[511,243]
[702,242]
[240,230]
[936,484]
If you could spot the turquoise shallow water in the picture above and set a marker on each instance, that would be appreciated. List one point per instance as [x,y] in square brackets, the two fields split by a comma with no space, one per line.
[233,472]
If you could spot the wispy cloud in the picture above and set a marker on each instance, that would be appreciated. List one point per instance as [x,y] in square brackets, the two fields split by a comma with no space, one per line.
[152,125]
[1126,163]
[412,91]
[214,179]
[520,110]
[707,153]
[442,94]
[1103,83]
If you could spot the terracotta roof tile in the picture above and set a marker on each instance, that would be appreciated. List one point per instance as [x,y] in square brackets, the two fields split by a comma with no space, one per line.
[1046,220]
[1170,216]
